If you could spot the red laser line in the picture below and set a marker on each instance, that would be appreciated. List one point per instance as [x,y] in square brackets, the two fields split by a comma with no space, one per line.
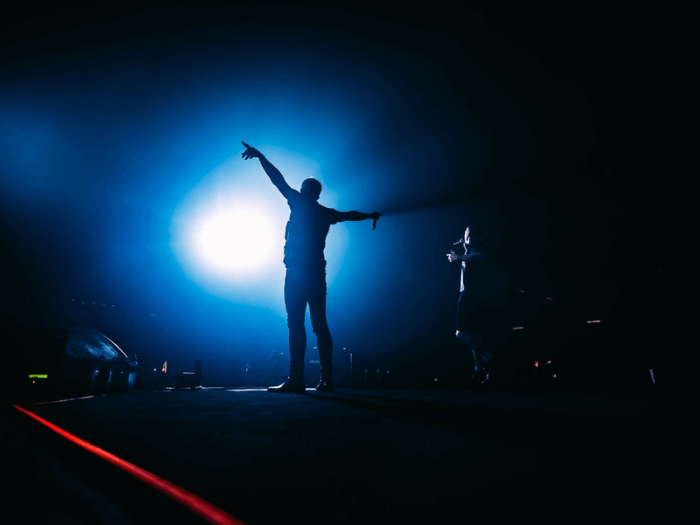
[192,502]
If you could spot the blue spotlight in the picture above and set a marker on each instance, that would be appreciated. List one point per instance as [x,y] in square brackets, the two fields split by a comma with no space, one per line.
[227,233]
[238,240]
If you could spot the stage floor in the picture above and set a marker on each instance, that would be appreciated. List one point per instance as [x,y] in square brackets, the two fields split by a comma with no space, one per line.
[354,456]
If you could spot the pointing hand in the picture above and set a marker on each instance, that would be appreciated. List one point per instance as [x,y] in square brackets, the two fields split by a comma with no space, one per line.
[250,152]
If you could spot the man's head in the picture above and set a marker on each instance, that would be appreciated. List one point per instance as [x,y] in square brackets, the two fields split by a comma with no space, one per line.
[467,234]
[311,188]
[475,243]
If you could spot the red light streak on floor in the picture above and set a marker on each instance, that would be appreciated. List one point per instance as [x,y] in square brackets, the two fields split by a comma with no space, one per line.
[192,502]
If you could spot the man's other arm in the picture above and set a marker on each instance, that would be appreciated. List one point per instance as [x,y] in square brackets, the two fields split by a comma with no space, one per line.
[359,216]
[467,258]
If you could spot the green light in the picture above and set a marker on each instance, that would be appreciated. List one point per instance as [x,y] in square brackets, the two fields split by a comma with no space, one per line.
[38,376]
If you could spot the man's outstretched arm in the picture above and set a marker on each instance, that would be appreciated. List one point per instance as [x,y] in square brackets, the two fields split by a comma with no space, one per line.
[272,172]
[471,257]
[360,216]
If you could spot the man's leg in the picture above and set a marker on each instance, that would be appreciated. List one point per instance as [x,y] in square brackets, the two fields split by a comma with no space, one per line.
[295,303]
[319,323]
[476,343]
[483,359]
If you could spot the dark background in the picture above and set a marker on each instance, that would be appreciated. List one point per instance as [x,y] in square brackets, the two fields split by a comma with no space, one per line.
[553,129]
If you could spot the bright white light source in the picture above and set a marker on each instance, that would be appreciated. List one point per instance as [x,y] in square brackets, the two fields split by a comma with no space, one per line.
[238,241]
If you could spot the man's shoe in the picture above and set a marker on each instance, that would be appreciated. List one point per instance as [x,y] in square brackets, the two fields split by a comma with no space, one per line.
[477,379]
[288,387]
[325,386]
[493,378]
[490,380]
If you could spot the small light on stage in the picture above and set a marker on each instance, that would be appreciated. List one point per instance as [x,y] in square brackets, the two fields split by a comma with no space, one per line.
[593,321]
[537,364]
[518,328]
[38,376]
[651,372]
[549,362]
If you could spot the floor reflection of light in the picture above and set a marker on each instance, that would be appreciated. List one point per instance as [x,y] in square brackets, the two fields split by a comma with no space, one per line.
[188,500]
[263,389]
[64,400]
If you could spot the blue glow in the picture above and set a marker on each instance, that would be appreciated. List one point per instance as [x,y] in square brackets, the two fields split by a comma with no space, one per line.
[227,233]
[152,202]
[237,240]
[228,237]
[32,144]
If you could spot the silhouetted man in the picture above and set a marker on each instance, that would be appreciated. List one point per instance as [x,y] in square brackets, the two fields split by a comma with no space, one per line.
[305,282]
[472,315]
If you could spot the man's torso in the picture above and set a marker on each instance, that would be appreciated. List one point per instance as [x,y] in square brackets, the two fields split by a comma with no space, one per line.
[307,228]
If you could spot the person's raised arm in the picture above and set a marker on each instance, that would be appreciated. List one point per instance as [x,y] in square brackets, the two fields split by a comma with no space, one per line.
[275,176]
[360,216]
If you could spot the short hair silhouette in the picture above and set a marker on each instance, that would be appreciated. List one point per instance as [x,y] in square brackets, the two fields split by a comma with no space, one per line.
[311,188]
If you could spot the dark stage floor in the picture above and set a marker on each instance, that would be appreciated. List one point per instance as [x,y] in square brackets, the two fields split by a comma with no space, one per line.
[355,456]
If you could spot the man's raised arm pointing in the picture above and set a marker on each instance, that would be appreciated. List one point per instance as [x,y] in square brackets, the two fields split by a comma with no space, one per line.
[275,176]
